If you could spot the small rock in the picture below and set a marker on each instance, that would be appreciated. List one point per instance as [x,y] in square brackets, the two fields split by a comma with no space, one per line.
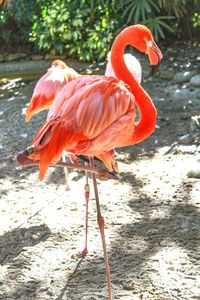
[4,192]
[50,57]
[24,135]
[54,56]
[195,124]
[35,237]
[74,209]
[195,94]
[167,74]
[12,56]
[44,287]
[184,76]
[181,94]
[22,55]
[2,57]
[27,235]
[24,297]
[3,176]
[50,293]
[196,137]
[194,173]
[195,53]
[186,139]
[128,286]
[88,297]
[37,57]
[186,149]
[195,80]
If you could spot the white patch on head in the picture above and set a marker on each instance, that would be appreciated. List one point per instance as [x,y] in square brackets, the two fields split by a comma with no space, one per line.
[149,43]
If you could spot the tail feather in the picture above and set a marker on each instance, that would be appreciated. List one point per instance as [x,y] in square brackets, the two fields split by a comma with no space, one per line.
[109,160]
[37,104]
[49,144]
[29,112]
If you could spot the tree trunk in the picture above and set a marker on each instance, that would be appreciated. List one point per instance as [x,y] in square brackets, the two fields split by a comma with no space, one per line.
[185,21]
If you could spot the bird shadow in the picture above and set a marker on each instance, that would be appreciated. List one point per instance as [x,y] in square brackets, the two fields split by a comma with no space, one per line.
[13,242]
[180,225]
[70,278]
[57,176]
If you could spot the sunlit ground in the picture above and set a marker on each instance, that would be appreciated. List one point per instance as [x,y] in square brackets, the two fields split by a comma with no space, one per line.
[151,216]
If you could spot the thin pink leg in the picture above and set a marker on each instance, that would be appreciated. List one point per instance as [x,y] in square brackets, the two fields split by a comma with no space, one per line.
[65,172]
[101,228]
[87,195]
[24,160]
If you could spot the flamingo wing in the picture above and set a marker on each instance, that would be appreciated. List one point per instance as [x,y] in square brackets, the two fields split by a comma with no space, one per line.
[84,110]
[92,104]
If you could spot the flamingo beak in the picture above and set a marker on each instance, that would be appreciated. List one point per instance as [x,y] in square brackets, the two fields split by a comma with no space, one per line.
[154,69]
[155,56]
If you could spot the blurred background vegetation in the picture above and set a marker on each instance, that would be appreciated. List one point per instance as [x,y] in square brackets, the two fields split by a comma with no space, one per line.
[85,29]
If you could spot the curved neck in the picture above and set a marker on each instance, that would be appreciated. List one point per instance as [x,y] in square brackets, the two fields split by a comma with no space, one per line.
[147,122]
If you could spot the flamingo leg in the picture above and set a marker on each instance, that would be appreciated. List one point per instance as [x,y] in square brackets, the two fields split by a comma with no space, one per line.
[101,228]
[25,161]
[65,171]
[87,196]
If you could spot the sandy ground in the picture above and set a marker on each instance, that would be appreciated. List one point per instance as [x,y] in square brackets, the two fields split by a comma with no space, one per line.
[152,215]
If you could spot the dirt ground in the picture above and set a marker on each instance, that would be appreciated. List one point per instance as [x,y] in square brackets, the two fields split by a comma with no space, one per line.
[152,213]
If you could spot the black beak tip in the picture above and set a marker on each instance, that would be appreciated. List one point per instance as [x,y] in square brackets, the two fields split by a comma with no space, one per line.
[154,69]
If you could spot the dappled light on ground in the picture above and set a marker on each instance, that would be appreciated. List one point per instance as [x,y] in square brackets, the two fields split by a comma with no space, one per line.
[152,214]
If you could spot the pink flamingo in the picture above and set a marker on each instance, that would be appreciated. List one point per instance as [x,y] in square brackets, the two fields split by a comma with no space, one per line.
[46,90]
[94,114]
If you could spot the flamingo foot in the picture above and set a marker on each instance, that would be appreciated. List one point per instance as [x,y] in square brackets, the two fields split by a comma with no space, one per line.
[80,254]
[22,158]
[67,188]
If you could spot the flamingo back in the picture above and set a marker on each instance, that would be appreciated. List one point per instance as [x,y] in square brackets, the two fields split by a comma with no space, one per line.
[83,110]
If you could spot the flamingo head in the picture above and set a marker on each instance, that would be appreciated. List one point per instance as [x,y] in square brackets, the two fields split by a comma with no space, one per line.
[145,43]
[59,63]
[154,54]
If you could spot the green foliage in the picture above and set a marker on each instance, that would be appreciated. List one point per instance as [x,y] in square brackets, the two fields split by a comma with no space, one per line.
[161,16]
[15,22]
[158,26]
[186,15]
[138,10]
[3,17]
[5,34]
[22,11]
[82,29]
[147,12]
[196,119]
[174,7]
[196,20]
[5,28]
[85,29]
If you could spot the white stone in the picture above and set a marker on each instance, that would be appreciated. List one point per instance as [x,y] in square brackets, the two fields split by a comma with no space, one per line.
[195,80]
[184,76]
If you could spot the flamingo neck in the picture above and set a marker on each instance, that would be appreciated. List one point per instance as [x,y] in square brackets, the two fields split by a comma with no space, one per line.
[147,121]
